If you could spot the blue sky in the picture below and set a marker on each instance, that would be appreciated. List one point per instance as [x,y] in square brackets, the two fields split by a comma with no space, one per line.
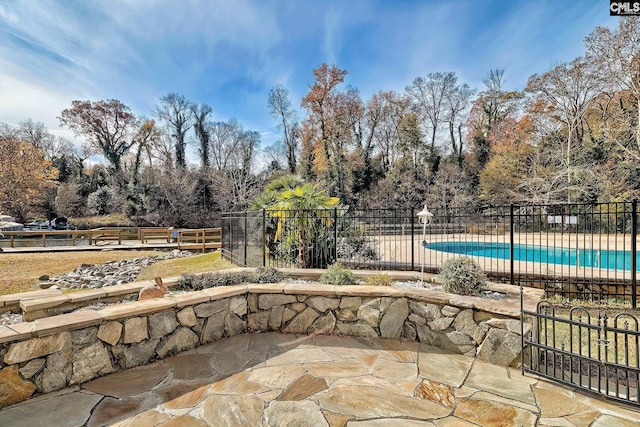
[229,53]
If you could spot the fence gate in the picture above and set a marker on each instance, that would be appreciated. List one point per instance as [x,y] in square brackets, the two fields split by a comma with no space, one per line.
[589,348]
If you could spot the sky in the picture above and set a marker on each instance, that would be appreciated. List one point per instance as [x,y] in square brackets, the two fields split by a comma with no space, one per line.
[230,53]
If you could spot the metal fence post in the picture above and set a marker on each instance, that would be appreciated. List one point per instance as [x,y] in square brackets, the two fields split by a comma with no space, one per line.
[511,246]
[245,238]
[634,250]
[335,235]
[264,237]
[512,282]
[413,249]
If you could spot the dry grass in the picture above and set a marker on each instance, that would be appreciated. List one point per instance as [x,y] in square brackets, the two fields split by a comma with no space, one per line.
[20,272]
[194,264]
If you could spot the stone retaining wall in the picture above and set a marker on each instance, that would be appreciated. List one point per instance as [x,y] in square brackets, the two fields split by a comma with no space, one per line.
[56,352]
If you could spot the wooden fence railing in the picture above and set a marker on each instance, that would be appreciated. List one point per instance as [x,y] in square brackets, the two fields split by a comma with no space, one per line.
[201,238]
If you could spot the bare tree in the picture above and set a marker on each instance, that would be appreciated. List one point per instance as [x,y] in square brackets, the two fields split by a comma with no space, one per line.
[280,109]
[177,112]
[233,152]
[497,103]
[394,107]
[450,188]
[108,127]
[568,90]
[429,95]
[162,151]
[223,140]
[201,127]
[616,53]
[457,107]
[145,138]
[36,134]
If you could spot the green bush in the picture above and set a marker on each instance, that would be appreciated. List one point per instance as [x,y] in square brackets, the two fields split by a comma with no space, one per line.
[337,274]
[379,279]
[462,276]
[196,282]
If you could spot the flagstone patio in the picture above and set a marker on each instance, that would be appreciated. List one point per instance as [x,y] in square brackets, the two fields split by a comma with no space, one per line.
[272,379]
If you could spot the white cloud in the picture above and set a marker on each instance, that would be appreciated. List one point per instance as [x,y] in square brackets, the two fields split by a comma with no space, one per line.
[228,53]
[331,40]
[23,99]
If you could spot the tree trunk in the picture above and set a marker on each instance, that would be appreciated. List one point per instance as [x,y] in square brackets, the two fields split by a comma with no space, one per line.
[303,252]
[433,139]
[454,146]
[638,125]
[460,146]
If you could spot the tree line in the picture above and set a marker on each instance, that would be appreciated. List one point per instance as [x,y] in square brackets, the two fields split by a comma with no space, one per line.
[572,135]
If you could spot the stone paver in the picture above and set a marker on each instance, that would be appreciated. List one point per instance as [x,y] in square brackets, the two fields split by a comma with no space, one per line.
[130,382]
[303,387]
[495,379]
[110,410]
[272,379]
[304,413]
[487,413]
[190,366]
[440,366]
[71,409]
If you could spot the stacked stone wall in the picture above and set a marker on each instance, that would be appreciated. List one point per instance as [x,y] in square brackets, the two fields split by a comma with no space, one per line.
[53,353]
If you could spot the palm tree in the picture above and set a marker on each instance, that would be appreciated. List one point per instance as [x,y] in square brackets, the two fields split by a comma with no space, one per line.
[273,189]
[300,205]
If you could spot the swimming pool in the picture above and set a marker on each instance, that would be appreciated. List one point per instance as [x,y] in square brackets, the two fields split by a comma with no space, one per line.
[618,260]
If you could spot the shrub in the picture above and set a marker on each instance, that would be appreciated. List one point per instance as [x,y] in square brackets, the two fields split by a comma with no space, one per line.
[379,279]
[196,282]
[337,274]
[462,276]
[269,275]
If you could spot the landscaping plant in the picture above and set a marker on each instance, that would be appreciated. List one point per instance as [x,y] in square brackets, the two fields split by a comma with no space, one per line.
[337,274]
[462,276]
[378,279]
[196,282]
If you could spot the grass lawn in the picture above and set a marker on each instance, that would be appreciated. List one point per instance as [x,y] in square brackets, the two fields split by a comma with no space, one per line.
[20,272]
[195,264]
[585,340]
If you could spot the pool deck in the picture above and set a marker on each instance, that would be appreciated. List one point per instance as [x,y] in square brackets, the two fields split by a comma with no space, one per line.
[271,379]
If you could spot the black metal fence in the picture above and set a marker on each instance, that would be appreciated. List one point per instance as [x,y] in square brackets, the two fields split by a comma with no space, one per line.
[583,252]
[574,251]
[577,251]
[583,347]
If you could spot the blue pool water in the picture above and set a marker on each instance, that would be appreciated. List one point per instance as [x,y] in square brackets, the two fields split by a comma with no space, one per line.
[618,260]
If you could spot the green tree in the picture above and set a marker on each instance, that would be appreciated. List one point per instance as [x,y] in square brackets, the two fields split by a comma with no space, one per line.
[297,206]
